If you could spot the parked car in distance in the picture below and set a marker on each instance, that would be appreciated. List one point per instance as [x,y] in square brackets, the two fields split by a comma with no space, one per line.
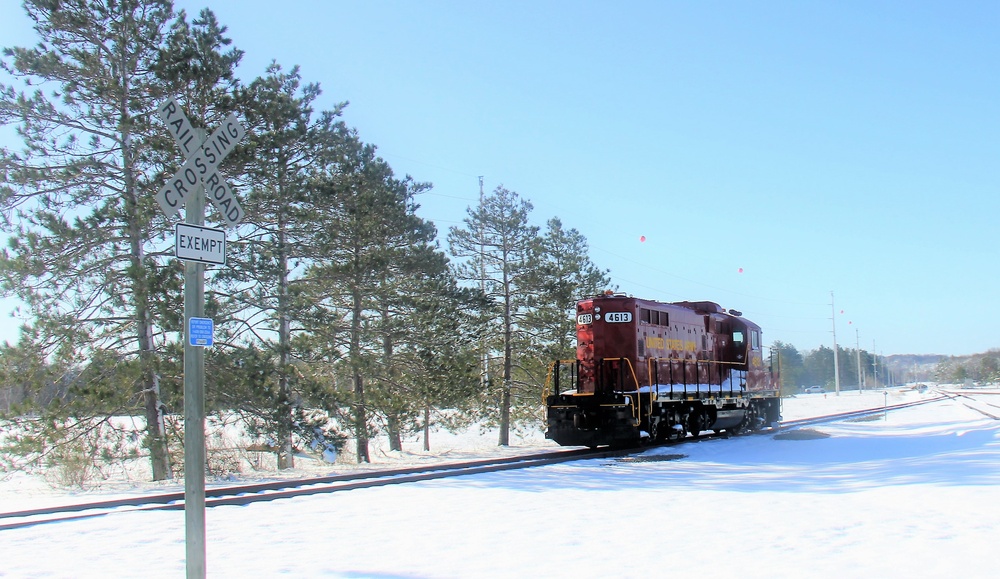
[814,390]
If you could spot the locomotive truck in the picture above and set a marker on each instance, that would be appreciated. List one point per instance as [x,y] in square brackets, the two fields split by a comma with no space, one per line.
[648,371]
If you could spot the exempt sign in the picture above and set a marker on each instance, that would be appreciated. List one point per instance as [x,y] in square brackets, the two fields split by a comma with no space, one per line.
[197,243]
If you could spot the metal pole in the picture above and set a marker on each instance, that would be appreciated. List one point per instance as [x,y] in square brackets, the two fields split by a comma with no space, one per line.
[194,402]
[857,345]
[874,363]
[485,380]
[836,360]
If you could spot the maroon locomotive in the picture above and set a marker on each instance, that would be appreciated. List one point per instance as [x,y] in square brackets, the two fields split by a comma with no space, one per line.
[653,371]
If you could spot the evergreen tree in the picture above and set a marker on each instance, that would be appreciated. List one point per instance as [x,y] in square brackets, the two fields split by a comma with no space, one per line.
[371,255]
[443,368]
[818,367]
[498,248]
[287,147]
[425,329]
[563,274]
[87,248]
[790,366]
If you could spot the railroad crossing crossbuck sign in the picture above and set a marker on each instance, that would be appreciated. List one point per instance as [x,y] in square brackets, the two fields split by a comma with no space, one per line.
[201,160]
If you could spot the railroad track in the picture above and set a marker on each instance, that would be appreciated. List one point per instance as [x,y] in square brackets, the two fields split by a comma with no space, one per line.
[269,491]
[257,492]
[792,424]
[980,406]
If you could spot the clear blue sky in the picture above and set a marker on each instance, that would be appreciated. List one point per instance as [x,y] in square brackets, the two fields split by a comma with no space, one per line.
[848,147]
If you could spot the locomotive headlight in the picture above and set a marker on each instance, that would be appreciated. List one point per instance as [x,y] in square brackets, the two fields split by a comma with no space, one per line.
[597,308]
[597,316]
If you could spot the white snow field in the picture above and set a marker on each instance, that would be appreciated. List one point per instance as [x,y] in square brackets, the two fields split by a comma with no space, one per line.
[915,493]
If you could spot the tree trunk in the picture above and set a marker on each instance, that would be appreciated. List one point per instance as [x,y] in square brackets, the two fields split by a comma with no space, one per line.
[395,439]
[149,387]
[427,428]
[508,352]
[360,414]
[286,458]
[393,423]
[360,419]
[156,429]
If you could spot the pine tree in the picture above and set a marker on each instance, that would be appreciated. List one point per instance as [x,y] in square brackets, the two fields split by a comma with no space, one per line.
[425,328]
[790,366]
[443,362]
[563,274]
[287,148]
[369,253]
[498,247]
[87,247]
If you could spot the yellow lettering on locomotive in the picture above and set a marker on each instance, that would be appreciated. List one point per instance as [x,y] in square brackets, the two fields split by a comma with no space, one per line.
[690,346]
[655,342]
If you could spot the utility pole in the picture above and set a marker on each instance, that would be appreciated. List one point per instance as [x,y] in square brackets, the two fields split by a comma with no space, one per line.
[836,359]
[874,362]
[485,380]
[857,345]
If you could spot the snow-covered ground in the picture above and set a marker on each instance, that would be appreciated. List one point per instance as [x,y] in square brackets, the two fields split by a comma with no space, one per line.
[915,493]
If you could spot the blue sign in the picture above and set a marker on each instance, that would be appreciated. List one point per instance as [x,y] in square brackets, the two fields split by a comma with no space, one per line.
[201,331]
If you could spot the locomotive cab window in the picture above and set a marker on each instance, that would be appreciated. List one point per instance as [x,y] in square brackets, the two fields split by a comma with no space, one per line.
[755,339]
[738,338]
[653,317]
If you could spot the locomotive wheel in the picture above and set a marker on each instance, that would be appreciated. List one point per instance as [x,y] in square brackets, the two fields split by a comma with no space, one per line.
[696,422]
[750,420]
[654,431]
[742,427]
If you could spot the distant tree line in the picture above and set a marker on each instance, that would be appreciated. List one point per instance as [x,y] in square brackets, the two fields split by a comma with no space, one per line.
[337,314]
[978,368]
[816,368]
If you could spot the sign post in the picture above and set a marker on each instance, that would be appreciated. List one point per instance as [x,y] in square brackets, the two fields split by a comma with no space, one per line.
[197,245]
[194,407]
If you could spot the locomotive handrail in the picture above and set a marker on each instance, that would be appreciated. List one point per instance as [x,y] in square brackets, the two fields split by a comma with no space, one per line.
[548,378]
[634,405]
[649,372]
[700,360]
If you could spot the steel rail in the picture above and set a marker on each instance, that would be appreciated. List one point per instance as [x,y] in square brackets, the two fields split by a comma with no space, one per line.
[957,395]
[245,494]
[792,424]
[274,490]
